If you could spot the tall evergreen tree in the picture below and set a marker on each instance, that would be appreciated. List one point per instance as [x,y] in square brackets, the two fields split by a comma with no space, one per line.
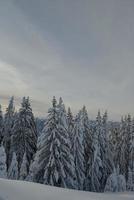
[130,181]
[8,125]
[24,168]
[13,169]
[70,122]
[78,151]
[87,142]
[101,158]
[130,154]
[53,162]
[105,150]
[24,133]
[131,145]
[114,139]
[124,146]
[63,129]
[87,136]
[95,172]
[3,167]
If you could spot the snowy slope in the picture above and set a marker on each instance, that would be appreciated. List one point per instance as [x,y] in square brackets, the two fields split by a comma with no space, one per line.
[17,190]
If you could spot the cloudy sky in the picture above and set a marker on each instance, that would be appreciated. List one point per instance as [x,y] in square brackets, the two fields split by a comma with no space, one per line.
[82,50]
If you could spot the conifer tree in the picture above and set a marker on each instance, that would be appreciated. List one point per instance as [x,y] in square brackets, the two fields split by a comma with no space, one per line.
[24,168]
[13,169]
[115,182]
[105,150]
[70,122]
[87,143]
[53,163]
[114,140]
[8,125]
[95,171]
[125,149]
[3,167]
[78,151]
[130,181]
[101,158]
[63,129]
[131,146]
[24,133]
[130,163]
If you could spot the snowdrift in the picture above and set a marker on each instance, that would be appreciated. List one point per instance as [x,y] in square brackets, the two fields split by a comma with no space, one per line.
[19,190]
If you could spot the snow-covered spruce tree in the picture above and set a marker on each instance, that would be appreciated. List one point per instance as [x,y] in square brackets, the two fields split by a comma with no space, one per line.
[3,167]
[121,145]
[78,151]
[130,175]
[105,150]
[1,125]
[87,142]
[8,124]
[115,182]
[112,183]
[131,147]
[53,163]
[70,122]
[35,173]
[66,148]
[124,155]
[95,171]
[130,181]
[24,134]
[24,168]
[101,159]
[114,140]
[13,169]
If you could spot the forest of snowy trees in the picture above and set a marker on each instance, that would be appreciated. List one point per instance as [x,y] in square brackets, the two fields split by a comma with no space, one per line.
[66,150]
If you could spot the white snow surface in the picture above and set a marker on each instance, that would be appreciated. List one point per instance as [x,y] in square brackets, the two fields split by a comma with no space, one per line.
[20,190]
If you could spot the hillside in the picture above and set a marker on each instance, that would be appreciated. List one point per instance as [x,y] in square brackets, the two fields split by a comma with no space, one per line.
[17,190]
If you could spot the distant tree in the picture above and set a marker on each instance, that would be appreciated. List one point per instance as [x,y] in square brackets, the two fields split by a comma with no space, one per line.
[40,125]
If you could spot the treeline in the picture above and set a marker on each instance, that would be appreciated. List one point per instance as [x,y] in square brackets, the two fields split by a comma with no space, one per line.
[71,152]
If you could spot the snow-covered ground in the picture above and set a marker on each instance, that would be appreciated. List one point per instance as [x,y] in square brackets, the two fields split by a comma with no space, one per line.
[17,190]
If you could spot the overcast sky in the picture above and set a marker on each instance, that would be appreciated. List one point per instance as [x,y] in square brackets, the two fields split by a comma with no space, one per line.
[82,50]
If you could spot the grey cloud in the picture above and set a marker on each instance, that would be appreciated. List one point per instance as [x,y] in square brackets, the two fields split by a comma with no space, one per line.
[81,50]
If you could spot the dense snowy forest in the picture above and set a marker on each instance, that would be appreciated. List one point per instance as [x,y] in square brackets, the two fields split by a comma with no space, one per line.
[65,150]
